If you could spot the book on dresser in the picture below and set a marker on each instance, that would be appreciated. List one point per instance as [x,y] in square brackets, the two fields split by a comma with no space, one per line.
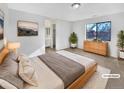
[96,47]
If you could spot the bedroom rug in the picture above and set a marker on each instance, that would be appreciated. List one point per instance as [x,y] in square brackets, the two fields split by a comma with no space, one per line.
[96,81]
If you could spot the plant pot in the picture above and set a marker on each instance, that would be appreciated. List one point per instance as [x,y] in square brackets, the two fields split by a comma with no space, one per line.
[73,45]
[121,54]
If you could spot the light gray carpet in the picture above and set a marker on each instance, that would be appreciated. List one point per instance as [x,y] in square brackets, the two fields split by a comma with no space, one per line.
[96,81]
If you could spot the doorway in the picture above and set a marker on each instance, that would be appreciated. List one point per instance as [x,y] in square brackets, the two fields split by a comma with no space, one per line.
[50,38]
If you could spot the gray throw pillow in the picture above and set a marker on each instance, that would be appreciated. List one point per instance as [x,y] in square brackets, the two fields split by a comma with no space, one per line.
[12,56]
[9,65]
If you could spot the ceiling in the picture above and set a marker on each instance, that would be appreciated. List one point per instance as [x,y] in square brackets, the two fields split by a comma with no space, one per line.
[64,11]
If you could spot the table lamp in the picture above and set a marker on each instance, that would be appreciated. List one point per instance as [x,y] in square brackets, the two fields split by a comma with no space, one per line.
[13,46]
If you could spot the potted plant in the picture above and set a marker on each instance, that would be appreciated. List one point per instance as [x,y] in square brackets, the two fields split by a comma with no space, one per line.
[73,40]
[120,43]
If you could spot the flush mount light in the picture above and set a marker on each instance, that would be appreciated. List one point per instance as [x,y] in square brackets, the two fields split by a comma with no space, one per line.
[75,5]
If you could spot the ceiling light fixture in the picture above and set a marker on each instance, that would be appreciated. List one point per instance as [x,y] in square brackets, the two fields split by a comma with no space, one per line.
[75,5]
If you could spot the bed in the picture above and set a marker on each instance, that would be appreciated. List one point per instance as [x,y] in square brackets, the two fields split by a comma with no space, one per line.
[49,78]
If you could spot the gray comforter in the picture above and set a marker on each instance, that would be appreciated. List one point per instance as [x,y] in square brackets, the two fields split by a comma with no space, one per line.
[67,69]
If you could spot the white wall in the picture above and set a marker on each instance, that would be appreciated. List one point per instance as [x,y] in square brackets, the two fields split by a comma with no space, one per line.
[35,45]
[30,45]
[63,30]
[117,25]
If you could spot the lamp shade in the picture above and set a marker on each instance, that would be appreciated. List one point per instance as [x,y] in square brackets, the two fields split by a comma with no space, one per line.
[13,45]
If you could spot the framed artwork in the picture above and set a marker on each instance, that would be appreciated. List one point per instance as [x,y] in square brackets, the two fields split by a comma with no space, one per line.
[27,28]
[1,25]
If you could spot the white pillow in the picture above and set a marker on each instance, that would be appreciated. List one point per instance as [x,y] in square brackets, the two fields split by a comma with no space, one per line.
[26,71]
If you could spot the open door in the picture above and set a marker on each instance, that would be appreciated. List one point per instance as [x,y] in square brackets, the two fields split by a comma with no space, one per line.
[54,36]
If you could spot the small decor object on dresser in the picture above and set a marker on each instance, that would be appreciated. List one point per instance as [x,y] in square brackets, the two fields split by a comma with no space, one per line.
[1,25]
[27,28]
[120,44]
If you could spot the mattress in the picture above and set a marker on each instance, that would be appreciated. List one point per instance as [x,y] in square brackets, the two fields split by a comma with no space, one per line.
[47,79]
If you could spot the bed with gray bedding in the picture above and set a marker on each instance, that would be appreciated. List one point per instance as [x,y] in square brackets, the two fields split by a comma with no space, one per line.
[55,70]
[67,69]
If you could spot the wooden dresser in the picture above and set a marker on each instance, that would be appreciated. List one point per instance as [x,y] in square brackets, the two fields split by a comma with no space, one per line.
[96,47]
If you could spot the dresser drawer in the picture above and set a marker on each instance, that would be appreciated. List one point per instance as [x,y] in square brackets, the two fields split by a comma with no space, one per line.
[96,47]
